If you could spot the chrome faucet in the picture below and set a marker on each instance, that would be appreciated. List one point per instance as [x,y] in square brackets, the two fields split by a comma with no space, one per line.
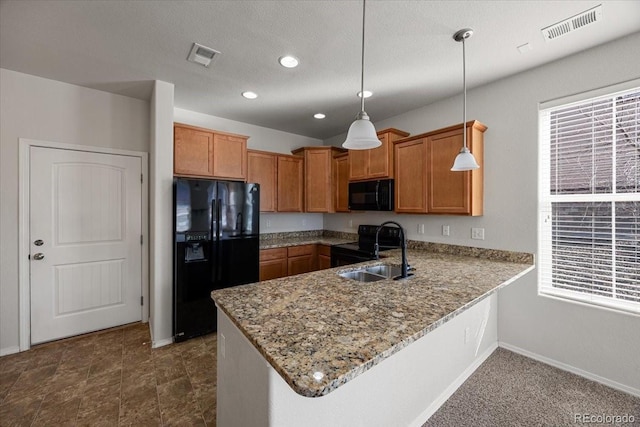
[405,265]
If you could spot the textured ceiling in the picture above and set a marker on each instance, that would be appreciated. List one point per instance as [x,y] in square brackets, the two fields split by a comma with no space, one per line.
[411,58]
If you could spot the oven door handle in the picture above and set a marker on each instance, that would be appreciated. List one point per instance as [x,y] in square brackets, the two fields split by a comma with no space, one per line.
[377,193]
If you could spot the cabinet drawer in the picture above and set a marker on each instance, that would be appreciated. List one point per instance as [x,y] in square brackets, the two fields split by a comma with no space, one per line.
[300,250]
[275,253]
[324,250]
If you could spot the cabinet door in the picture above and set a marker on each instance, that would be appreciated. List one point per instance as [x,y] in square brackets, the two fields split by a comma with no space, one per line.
[410,181]
[448,191]
[317,180]
[324,257]
[300,264]
[273,263]
[290,183]
[341,182]
[358,164]
[261,168]
[192,152]
[380,160]
[273,269]
[229,156]
[456,193]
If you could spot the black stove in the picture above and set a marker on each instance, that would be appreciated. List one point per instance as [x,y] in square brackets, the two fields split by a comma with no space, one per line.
[363,249]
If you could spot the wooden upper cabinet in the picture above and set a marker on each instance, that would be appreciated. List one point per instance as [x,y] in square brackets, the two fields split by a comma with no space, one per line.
[411,176]
[424,180]
[450,192]
[290,183]
[318,177]
[208,153]
[376,163]
[262,168]
[192,152]
[341,181]
[230,156]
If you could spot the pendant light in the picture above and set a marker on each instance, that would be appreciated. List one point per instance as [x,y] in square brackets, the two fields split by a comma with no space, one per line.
[464,160]
[362,134]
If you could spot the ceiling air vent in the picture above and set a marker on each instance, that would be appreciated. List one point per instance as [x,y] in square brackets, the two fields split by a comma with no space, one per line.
[202,55]
[568,25]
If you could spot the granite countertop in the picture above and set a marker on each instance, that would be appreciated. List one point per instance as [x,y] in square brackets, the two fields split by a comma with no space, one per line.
[296,241]
[336,328]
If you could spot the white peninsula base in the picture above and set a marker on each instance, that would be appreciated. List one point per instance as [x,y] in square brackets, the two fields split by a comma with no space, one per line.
[405,389]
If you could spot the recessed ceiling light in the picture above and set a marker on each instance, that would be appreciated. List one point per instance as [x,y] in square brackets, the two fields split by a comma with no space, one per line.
[250,95]
[367,94]
[319,116]
[289,61]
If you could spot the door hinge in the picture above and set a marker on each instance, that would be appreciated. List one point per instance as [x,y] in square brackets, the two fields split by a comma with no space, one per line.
[141,178]
[141,239]
[141,300]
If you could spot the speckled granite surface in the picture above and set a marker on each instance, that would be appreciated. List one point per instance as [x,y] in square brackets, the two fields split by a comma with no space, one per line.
[336,328]
[306,240]
[323,237]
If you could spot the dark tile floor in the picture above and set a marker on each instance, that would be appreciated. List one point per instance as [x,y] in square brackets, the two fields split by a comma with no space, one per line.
[110,378]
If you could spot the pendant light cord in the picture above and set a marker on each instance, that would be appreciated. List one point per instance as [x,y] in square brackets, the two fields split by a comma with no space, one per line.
[364,2]
[464,95]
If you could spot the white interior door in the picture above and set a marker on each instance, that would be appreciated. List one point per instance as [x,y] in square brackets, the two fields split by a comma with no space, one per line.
[85,253]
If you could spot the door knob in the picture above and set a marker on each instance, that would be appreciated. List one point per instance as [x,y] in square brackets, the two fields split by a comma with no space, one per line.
[38,256]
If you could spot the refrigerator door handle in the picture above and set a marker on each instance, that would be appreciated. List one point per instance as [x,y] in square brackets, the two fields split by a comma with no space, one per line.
[218,259]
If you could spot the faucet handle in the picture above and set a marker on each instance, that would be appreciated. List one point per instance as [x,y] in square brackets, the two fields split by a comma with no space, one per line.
[376,250]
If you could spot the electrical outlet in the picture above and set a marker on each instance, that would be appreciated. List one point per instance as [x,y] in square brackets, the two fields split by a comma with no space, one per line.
[350,223]
[445,230]
[420,228]
[223,347]
[477,233]
[268,223]
[304,222]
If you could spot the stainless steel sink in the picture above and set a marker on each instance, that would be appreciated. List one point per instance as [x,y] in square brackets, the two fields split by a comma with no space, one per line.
[373,273]
[362,276]
[387,271]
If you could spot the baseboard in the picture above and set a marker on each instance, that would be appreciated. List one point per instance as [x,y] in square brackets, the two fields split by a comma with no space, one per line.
[9,350]
[448,392]
[563,366]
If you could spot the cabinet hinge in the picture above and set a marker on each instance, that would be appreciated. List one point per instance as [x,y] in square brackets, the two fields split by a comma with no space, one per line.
[141,239]
[141,300]
[141,178]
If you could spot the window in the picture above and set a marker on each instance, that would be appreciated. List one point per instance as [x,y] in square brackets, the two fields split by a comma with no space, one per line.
[589,227]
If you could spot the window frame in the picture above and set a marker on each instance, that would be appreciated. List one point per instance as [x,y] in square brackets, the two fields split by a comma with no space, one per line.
[546,286]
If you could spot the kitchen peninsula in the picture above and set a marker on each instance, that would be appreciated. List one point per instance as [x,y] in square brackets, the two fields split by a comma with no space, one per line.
[320,349]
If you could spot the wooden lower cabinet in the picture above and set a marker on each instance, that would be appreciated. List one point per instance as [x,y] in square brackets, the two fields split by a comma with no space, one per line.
[273,263]
[324,257]
[301,259]
[292,260]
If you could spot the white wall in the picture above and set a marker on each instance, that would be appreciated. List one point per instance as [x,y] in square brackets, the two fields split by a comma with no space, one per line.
[161,215]
[37,108]
[261,138]
[595,341]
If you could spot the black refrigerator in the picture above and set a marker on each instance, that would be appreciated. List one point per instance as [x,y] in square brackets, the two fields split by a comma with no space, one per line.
[216,239]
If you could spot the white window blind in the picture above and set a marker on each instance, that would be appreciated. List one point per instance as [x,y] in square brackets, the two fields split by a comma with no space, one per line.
[589,228]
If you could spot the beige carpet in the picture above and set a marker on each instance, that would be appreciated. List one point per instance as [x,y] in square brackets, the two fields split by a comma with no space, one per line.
[513,390]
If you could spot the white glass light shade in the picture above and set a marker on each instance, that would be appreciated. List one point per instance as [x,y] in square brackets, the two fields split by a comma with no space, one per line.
[361,135]
[464,161]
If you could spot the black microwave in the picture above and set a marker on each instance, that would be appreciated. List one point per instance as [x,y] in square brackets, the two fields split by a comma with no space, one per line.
[371,195]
